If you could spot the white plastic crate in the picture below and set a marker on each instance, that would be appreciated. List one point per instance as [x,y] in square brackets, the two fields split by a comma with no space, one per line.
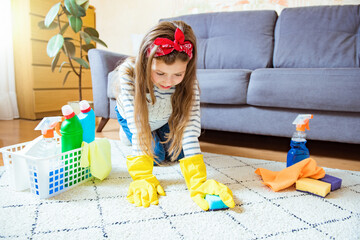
[45,176]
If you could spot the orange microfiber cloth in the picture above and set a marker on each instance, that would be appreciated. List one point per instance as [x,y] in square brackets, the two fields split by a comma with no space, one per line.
[285,178]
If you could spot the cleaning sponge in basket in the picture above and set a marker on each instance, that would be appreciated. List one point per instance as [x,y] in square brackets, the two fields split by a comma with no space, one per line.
[313,186]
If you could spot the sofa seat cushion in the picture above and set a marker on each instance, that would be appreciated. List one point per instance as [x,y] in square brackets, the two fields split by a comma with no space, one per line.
[223,86]
[311,88]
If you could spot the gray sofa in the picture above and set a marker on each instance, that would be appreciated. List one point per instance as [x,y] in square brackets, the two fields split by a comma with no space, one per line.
[257,71]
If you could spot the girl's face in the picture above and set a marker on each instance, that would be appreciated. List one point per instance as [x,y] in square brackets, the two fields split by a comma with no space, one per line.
[166,76]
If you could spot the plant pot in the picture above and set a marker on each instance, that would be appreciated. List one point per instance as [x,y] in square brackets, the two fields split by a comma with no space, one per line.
[76,108]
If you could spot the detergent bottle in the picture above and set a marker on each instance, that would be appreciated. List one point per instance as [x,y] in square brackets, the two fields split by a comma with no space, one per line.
[298,150]
[71,130]
[87,119]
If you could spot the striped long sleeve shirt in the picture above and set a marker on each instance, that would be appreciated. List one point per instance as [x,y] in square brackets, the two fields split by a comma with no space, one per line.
[159,113]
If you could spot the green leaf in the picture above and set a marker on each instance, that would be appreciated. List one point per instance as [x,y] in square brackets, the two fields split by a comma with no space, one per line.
[53,25]
[82,12]
[63,63]
[70,48]
[79,2]
[71,6]
[85,36]
[85,5]
[66,76]
[63,28]
[87,47]
[54,45]
[87,58]
[75,23]
[81,62]
[55,61]
[92,32]
[74,9]
[99,41]
[52,14]
[65,11]
[68,39]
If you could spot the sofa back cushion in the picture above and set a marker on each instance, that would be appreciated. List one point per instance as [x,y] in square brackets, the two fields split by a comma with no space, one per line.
[233,40]
[318,37]
[223,86]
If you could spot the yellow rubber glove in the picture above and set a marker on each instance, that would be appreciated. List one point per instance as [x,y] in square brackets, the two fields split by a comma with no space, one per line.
[145,188]
[194,171]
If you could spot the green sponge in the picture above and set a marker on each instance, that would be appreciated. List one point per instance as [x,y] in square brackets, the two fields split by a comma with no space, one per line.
[215,202]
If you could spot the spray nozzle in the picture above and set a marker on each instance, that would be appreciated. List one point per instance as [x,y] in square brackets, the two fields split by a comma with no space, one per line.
[302,122]
[47,126]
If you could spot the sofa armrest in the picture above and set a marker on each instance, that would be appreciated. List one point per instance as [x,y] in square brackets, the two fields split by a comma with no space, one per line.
[101,63]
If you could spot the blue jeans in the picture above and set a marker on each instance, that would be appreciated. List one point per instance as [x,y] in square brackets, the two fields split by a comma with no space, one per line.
[159,135]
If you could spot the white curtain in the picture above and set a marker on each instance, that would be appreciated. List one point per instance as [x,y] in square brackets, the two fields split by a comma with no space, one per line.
[8,103]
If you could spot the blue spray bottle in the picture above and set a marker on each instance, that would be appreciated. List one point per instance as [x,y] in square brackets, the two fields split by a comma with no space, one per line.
[299,151]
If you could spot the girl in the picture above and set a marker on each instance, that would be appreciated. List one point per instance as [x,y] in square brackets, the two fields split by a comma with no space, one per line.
[158,108]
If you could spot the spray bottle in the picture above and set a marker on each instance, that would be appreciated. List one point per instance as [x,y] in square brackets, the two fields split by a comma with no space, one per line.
[299,151]
[44,145]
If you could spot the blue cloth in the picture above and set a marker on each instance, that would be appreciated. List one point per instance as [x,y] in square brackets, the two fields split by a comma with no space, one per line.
[159,135]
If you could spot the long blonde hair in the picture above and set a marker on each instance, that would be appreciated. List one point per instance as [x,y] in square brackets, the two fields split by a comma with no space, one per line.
[183,97]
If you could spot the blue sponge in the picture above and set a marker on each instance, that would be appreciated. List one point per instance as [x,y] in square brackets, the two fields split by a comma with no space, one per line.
[215,202]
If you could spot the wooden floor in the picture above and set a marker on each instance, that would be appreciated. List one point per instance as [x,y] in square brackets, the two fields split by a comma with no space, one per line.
[327,154]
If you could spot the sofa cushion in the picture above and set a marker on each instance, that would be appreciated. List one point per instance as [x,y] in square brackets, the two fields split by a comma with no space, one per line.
[317,89]
[318,37]
[233,40]
[233,82]
[223,86]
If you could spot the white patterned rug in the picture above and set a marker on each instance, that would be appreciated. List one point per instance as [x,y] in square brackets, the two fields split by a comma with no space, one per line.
[99,210]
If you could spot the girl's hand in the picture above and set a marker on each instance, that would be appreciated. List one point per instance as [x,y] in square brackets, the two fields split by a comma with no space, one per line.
[211,187]
[145,188]
[145,192]
[194,170]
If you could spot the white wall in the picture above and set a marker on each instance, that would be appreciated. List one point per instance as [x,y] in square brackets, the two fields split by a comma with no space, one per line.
[118,21]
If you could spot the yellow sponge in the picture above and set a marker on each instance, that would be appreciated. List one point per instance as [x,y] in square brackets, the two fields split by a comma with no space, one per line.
[313,186]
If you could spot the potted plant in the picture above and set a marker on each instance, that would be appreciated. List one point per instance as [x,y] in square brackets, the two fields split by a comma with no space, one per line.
[74,10]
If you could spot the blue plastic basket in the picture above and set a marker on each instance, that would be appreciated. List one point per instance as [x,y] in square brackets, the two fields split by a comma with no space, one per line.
[47,176]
